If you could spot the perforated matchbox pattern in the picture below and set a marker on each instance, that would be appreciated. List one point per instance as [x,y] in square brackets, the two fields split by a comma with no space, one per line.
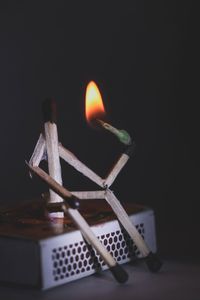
[77,258]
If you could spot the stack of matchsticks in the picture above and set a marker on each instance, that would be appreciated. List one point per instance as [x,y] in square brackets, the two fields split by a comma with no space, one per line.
[65,202]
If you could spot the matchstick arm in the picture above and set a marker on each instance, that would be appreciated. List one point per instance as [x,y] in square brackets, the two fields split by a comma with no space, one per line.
[130,151]
[70,199]
[89,194]
[153,262]
[72,160]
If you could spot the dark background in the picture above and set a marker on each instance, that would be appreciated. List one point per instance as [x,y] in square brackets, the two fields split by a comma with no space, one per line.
[144,57]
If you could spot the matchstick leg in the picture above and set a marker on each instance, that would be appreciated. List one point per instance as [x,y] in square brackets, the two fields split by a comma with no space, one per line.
[118,272]
[89,194]
[151,259]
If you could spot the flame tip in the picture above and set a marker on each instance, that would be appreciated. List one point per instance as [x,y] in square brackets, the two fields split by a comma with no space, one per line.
[93,102]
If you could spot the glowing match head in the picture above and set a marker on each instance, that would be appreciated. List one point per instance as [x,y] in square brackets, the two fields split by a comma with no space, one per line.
[94,108]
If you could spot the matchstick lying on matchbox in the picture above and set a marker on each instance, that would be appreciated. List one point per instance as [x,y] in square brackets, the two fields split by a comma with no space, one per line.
[117,271]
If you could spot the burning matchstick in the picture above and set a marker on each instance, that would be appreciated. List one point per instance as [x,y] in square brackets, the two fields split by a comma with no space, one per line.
[94,110]
[122,135]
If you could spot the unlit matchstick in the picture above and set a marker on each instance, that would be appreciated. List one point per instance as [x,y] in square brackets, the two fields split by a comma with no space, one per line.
[153,262]
[51,138]
[117,271]
[39,151]
[81,195]
[89,194]
[72,160]
[56,187]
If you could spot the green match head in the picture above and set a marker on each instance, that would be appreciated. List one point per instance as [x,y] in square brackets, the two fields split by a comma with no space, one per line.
[124,137]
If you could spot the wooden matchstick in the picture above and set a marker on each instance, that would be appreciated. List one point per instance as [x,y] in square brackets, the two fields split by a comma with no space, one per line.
[122,135]
[119,165]
[72,160]
[39,151]
[51,138]
[66,155]
[82,195]
[89,194]
[152,261]
[117,271]
[55,186]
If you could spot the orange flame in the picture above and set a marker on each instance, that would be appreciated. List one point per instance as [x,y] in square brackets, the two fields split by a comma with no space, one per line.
[94,107]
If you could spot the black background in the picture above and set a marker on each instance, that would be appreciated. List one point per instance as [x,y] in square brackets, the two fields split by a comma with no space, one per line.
[144,57]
